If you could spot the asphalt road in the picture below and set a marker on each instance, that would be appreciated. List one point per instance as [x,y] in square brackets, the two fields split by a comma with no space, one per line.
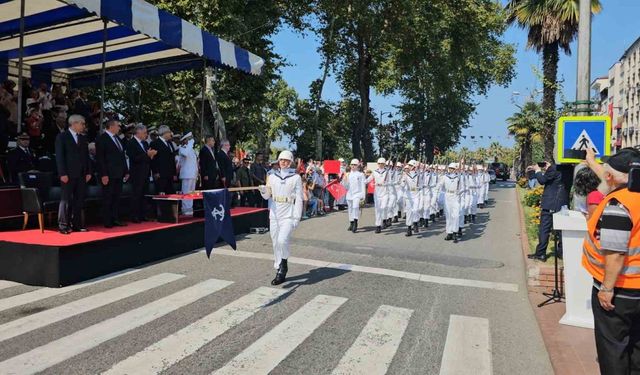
[353,303]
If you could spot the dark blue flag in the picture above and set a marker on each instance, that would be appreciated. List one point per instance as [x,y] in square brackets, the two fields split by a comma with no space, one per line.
[217,219]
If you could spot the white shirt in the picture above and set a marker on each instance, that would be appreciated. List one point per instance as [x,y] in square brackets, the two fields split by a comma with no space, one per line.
[284,192]
[356,185]
[74,135]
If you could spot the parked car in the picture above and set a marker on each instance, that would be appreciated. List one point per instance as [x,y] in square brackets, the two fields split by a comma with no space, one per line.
[492,176]
[501,170]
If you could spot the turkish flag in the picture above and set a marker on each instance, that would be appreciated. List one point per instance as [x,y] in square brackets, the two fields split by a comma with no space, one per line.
[371,187]
[336,189]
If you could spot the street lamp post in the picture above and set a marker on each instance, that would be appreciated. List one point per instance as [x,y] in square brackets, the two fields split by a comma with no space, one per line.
[380,129]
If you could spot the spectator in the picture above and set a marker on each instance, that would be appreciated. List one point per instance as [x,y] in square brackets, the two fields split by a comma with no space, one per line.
[140,159]
[609,255]
[586,194]
[4,129]
[243,178]
[258,177]
[44,98]
[112,172]
[57,95]
[33,124]
[8,99]
[531,177]
[209,171]
[163,164]
[72,158]
[94,162]
[188,171]
[21,159]
[225,164]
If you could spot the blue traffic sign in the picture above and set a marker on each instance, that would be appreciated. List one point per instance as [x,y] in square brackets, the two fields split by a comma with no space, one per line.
[576,134]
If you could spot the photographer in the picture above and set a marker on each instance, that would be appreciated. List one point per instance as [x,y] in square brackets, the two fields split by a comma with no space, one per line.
[611,255]
[554,196]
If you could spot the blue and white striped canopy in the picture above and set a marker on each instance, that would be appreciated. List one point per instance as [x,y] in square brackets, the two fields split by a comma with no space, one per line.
[63,42]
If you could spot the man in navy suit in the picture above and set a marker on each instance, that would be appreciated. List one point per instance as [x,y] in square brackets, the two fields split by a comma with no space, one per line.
[112,172]
[74,169]
[163,164]
[140,157]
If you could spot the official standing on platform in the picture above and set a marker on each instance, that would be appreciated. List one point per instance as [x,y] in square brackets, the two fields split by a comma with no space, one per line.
[140,156]
[112,172]
[284,192]
[21,159]
[209,170]
[188,171]
[355,183]
[163,164]
[611,256]
[225,164]
[74,169]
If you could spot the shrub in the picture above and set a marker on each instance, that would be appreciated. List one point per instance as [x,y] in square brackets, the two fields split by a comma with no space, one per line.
[522,182]
[532,197]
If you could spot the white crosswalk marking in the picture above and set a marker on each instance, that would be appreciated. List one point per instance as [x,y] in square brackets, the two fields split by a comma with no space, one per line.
[265,354]
[168,351]
[373,350]
[4,284]
[468,348]
[62,349]
[42,293]
[56,314]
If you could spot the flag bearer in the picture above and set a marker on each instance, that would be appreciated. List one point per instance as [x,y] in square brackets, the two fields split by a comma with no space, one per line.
[355,182]
[283,189]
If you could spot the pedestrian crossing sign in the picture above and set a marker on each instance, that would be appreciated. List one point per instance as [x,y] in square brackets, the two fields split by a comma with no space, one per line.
[576,134]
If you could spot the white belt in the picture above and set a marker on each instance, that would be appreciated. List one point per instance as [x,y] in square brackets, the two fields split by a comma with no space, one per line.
[452,192]
[284,200]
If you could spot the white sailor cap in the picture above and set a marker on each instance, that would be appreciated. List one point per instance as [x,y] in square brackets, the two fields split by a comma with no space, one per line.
[413,163]
[355,162]
[382,161]
[286,155]
[453,165]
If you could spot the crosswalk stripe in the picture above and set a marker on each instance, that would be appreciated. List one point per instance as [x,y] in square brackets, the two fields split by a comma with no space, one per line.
[56,314]
[269,350]
[468,348]
[170,350]
[4,284]
[373,350]
[42,293]
[45,356]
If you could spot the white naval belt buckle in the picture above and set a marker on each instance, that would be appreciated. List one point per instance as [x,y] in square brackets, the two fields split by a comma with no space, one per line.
[282,200]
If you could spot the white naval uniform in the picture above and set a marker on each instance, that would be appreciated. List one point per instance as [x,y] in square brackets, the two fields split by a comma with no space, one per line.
[426,194]
[356,191]
[486,180]
[410,183]
[284,192]
[474,185]
[399,204]
[450,186]
[392,195]
[464,194]
[188,160]
[380,194]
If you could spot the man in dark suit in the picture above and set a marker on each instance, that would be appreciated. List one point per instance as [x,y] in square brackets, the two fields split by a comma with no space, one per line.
[554,196]
[140,157]
[74,169]
[112,172]
[209,170]
[163,164]
[225,164]
[21,159]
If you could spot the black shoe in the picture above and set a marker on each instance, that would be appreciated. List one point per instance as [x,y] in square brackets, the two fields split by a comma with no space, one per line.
[426,223]
[415,227]
[455,238]
[460,232]
[108,226]
[119,224]
[378,229]
[281,274]
[64,231]
[80,230]
[421,222]
[541,258]
[408,234]
[531,256]
[136,221]
[473,219]
[399,213]
[449,237]
[395,219]
[350,226]
[432,217]
[355,226]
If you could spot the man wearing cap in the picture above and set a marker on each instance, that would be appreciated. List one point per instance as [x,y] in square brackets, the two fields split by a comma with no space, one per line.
[354,182]
[380,194]
[611,256]
[410,182]
[163,164]
[283,189]
[450,185]
[20,159]
[188,171]
[112,172]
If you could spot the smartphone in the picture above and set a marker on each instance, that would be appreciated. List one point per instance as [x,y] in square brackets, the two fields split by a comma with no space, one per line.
[634,180]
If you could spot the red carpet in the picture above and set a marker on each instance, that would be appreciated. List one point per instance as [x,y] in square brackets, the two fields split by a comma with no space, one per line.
[98,233]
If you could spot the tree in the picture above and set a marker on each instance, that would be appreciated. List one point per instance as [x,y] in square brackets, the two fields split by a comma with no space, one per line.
[552,25]
[525,125]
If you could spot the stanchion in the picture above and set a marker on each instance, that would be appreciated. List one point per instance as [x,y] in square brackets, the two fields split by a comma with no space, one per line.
[555,295]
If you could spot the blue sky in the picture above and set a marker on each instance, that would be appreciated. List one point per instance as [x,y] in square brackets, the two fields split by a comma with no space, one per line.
[613,31]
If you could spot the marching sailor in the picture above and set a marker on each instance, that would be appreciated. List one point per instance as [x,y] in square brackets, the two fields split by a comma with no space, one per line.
[450,185]
[283,189]
[399,206]
[410,183]
[380,194]
[392,194]
[355,182]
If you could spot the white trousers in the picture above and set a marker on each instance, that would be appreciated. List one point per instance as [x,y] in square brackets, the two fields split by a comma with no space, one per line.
[452,213]
[280,230]
[391,204]
[413,209]
[188,185]
[426,203]
[474,202]
[381,205]
[353,207]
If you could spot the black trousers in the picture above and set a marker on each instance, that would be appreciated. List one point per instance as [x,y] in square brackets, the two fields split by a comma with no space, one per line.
[617,335]
[164,185]
[111,193]
[544,232]
[71,202]
[138,189]
[245,199]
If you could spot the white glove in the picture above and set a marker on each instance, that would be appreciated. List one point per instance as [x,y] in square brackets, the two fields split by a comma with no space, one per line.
[262,189]
[296,223]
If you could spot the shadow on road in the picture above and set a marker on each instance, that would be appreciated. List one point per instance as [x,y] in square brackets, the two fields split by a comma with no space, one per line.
[312,277]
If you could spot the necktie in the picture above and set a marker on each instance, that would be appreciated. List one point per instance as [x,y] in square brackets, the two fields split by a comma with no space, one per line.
[117,141]
[145,146]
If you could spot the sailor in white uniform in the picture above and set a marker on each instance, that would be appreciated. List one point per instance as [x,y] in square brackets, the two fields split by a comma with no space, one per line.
[450,185]
[410,183]
[283,189]
[399,206]
[188,161]
[380,195]
[355,183]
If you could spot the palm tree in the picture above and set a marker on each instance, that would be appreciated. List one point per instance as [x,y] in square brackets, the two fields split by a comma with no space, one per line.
[525,126]
[551,25]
